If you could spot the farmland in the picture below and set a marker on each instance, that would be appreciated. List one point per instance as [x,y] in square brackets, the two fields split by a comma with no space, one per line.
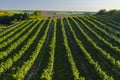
[73,48]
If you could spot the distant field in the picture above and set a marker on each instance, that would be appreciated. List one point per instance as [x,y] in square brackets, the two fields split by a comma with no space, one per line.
[62,14]
[53,14]
[75,48]
[69,12]
[20,11]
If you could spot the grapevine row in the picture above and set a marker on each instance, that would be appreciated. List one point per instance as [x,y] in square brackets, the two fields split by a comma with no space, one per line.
[96,66]
[21,73]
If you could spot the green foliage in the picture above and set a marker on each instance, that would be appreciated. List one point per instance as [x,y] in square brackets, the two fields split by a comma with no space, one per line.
[37,13]
[84,32]
[102,12]
[94,64]
[3,26]
[70,57]
[113,14]
[20,74]
[46,75]
[6,19]
[48,72]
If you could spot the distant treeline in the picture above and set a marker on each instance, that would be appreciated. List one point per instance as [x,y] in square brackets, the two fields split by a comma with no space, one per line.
[9,19]
[113,14]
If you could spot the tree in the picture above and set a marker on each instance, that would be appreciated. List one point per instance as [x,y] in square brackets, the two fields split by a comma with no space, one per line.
[37,13]
[102,12]
[26,16]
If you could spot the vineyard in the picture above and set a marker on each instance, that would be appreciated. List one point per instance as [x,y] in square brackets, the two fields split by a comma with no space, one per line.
[74,48]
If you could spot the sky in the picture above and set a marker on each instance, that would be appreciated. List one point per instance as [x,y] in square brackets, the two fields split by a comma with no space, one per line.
[60,5]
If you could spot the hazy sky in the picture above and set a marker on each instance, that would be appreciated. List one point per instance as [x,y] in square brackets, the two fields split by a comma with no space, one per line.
[67,5]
